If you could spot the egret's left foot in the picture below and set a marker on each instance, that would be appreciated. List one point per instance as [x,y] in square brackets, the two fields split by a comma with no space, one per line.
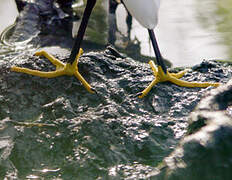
[61,69]
[160,76]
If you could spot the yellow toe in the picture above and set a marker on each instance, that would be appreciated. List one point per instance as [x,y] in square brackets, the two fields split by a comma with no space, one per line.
[61,69]
[179,74]
[39,53]
[174,78]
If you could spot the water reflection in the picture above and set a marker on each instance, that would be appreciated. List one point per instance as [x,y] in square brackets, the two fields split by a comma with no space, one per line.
[97,26]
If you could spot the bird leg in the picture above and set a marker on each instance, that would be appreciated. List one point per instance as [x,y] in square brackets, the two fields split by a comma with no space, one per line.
[160,76]
[61,69]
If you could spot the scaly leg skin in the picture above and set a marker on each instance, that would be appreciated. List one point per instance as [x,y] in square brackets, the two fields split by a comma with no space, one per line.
[61,69]
[160,76]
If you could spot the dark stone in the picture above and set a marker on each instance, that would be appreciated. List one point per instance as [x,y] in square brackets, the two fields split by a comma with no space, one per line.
[205,152]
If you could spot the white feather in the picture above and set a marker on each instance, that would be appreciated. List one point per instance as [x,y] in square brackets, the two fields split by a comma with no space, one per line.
[144,11]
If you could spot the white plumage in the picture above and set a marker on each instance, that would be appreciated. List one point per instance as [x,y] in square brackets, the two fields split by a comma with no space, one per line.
[144,11]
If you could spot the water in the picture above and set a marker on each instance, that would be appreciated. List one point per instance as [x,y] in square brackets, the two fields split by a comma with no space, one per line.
[8,13]
[184,33]
[183,39]
[188,31]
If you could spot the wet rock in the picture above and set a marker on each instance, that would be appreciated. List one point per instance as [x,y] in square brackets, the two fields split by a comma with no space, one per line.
[37,19]
[108,135]
[205,152]
[7,135]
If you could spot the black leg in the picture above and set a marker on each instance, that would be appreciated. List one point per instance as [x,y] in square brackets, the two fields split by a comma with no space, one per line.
[112,22]
[81,32]
[129,24]
[159,58]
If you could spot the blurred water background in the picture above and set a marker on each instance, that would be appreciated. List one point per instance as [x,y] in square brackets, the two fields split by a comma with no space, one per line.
[188,31]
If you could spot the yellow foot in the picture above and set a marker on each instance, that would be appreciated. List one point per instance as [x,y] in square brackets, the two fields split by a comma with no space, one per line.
[160,76]
[61,69]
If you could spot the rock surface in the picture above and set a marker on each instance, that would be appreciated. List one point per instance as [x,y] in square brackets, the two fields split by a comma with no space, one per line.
[111,134]
[205,152]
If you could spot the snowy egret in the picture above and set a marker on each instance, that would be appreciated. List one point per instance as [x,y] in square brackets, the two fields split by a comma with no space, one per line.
[146,13]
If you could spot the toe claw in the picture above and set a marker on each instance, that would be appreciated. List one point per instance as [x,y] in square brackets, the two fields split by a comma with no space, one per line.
[139,95]
[93,90]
